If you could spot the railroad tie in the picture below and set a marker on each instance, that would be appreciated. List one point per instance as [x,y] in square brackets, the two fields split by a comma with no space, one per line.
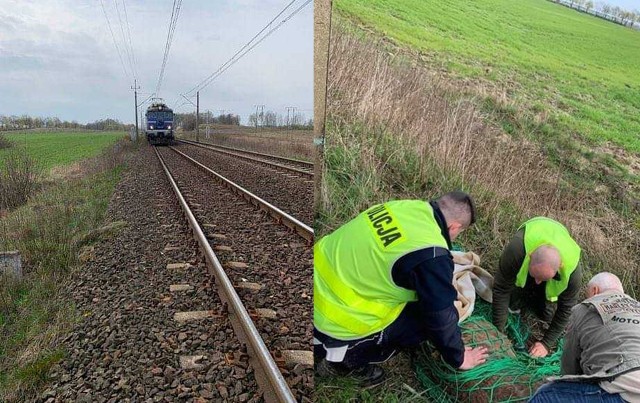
[182,317]
[223,248]
[176,266]
[191,361]
[237,265]
[264,313]
[180,287]
[249,286]
[293,357]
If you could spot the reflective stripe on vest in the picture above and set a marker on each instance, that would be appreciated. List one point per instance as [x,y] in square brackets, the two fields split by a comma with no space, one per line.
[354,293]
[540,231]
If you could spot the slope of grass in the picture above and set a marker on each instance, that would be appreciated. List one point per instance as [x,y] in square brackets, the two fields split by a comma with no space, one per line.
[578,72]
[395,130]
[49,231]
[52,149]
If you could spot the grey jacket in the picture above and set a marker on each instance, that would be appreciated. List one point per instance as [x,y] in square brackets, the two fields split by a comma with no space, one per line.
[603,338]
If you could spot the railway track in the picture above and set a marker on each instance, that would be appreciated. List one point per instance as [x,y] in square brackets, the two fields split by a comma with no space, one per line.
[251,256]
[291,192]
[291,165]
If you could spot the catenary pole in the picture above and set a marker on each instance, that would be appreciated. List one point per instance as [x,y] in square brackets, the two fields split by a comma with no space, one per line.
[135,89]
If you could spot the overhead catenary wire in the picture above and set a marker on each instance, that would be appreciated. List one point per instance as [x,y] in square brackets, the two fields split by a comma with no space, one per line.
[124,40]
[133,53]
[115,43]
[175,14]
[248,43]
[249,46]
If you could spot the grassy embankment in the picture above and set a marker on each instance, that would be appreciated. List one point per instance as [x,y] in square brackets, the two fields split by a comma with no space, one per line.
[468,100]
[287,143]
[50,232]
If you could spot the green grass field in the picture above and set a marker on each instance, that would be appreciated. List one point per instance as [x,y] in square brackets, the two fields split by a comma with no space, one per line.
[569,82]
[61,148]
[581,71]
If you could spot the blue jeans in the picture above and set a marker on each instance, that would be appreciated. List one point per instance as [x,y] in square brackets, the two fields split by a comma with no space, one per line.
[580,392]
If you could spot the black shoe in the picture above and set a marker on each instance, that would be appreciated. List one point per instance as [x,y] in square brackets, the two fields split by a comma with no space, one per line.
[367,376]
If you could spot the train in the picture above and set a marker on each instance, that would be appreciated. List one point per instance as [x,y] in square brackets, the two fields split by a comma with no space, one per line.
[160,126]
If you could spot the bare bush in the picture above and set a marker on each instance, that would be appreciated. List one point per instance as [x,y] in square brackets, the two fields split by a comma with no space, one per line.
[19,178]
[378,85]
[5,142]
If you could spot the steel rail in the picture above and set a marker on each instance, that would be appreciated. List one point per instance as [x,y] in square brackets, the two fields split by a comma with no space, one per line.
[301,228]
[236,152]
[271,381]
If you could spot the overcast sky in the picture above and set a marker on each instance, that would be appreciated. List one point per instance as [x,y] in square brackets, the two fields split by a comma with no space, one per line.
[57,57]
[629,5]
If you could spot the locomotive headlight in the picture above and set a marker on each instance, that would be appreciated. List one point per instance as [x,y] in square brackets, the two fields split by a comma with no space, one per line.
[169,127]
[151,127]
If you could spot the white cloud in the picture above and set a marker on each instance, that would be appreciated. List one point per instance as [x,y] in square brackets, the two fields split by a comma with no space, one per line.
[57,56]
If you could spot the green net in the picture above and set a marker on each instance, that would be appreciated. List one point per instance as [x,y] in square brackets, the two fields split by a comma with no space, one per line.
[509,375]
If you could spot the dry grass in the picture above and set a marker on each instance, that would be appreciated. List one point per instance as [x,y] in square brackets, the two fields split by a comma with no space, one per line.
[390,96]
[4,142]
[19,178]
[49,232]
[287,143]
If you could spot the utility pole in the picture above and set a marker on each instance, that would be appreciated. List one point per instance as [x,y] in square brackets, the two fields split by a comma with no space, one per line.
[293,115]
[288,120]
[257,118]
[207,133]
[135,89]
[261,107]
[321,46]
[197,116]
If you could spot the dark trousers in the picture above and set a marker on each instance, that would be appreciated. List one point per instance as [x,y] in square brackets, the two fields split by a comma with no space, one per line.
[532,297]
[405,332]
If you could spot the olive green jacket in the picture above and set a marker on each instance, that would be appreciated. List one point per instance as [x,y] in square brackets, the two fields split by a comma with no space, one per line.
[504,284]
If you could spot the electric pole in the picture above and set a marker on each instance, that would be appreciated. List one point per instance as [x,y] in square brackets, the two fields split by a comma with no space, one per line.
[135,89]
[197,116]
[207,132]
[321,45]
[261,107]
[288,120]
[257,118]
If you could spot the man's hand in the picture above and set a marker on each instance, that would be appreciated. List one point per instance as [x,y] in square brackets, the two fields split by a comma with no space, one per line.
[538,350]
[474,357]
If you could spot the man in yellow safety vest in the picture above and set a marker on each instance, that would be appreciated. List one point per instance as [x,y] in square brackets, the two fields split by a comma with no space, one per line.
[383,281]
[539,269]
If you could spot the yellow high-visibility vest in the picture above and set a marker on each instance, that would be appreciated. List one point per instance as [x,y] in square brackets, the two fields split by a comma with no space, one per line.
[353,289]
[540,231]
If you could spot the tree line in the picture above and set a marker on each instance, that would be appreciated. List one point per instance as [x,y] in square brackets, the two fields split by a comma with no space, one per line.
[187,121]
[274,119]
[26,122]
[605,10]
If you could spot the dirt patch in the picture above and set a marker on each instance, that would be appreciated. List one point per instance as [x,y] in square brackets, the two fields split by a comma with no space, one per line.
[65,172]
[627,159]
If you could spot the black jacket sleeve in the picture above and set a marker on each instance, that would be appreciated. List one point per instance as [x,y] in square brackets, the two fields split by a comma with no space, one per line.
[505,279]
[566,300]
[432,278]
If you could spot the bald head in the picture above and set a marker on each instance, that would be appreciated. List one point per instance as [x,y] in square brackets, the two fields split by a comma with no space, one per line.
[545,263]
[604,282]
